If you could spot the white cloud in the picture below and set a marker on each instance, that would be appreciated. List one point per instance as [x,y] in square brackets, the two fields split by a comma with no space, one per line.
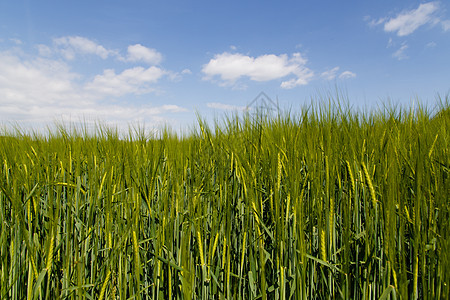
[231,67]
[131,81]
[407,22]
[34,82]
[41,89]
[69,46]
[223,106]
[400,53]
[138,53]
[330,74]
[347,75]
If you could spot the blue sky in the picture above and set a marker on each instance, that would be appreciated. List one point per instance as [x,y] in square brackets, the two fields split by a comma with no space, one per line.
[160,62]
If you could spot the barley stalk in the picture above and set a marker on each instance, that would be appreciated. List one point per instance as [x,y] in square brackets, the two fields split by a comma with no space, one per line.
[200,248]
[369,184]
[50,253]
[243,252]
[323,251]
[350,174]
[104,285]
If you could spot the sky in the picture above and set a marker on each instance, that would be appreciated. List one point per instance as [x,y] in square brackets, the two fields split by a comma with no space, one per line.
[163,63]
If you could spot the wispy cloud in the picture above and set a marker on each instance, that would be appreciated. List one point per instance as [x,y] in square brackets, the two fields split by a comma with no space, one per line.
[333,73]
[44,50]
[446,25]
[177,76]
[330,74]
[347,75]
[16,41]
[374,22]
[400,53]
[408,21]
[70,46]
[230,67]
[390,43]
[223,106]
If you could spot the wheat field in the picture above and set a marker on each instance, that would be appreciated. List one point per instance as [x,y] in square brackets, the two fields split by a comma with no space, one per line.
[324,204]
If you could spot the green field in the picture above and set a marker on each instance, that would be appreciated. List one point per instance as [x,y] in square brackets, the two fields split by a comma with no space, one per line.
[325,203]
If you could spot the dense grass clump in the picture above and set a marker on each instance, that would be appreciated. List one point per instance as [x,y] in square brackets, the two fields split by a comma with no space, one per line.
[325,204]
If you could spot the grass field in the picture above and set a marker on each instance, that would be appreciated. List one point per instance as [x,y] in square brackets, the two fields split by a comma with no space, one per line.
[324,204]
